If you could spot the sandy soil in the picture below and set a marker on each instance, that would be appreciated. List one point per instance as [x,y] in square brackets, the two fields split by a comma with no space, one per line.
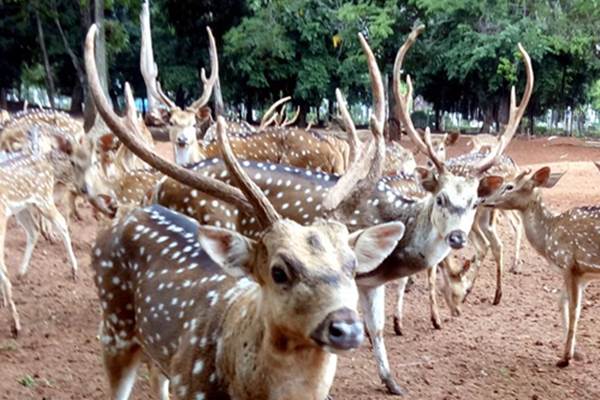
[490,352]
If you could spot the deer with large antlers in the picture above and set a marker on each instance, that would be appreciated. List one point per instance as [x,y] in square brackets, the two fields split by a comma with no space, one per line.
[27,184]
[570,241]
[484,234]
[436,219]
[235,317]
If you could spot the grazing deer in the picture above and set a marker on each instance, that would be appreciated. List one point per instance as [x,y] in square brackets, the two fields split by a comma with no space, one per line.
[236,317]
[483,142]
[433,226]
[570,241]
[26,186]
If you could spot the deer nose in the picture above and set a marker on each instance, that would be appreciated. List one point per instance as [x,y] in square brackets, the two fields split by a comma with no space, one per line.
[341,330]
[181,141]
[84,189]
[457,239]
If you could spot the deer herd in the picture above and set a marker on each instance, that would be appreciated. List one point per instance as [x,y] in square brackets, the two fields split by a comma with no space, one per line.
[242,269]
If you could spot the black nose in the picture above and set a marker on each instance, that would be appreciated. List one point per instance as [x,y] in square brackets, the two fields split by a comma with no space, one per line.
[457,239]
[181,141]
[341,330]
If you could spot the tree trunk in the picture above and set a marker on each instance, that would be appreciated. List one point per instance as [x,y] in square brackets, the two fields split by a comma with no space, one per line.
[77,99]
[3,98]
[48,71]
[531,123]
[147,64]
[488,119]
[437,113]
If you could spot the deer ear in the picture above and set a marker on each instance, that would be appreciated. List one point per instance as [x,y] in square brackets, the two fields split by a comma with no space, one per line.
[452,138]
[106,141]
[64,144]
[230,250]
[489,185]
[541,177]
[427,179]
[553,179]
[374,244]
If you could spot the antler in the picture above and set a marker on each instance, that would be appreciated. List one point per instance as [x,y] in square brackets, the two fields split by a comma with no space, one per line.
[516,113]
[266,213]
[123,126]
[355,180]
[288,122]
[208,84]
[401,108]
[349,125]
[267,118]
[514,118]
[148,67]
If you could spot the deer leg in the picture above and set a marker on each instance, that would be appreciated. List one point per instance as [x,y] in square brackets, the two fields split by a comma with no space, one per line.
[398,326]
[60,225]
[5,282]
[435,311]
[121,367]
[517,224]
[574,294]
[25,219]
[489,230]
[373,306]
[159,382]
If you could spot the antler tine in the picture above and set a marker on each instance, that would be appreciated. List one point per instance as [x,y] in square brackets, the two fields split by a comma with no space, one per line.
[280,116]
[266,213]
[367,168]
[349,125]
[439,164]
[515,115]
[288,122]
[401,108]
[208,84]
[148,67]
[267,119]
[122,128]
[163,97]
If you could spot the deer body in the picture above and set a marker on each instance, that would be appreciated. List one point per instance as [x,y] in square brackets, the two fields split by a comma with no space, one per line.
[27,184]
[570,241]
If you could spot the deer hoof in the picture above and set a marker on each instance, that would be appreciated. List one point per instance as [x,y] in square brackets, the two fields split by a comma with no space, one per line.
[15,329]
[437,324]
[563,363]
[497,297]
[393,387]
[398,326]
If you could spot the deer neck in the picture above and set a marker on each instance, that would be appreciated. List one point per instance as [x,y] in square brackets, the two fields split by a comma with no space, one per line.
[253,347]
[537,220]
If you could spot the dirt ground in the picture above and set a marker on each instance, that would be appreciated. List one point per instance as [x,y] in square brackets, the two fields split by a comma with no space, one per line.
[489,352]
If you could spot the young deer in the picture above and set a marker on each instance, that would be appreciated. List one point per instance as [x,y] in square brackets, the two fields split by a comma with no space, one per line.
[235,317]
[570,241]
[305,195]
[27,186]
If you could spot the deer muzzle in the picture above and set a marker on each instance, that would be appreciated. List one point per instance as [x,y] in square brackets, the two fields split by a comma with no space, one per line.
[341,330]
[457,239]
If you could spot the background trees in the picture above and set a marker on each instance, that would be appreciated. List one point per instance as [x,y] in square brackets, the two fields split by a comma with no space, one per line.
[462,66]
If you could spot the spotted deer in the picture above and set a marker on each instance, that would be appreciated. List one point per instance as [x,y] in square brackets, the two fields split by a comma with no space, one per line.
[27,184]
[304,195]
[484,235]
[483,142]
[234,317]
[570,241]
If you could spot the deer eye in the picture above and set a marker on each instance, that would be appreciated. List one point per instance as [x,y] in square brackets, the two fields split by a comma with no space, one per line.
[509,188]
[440,201]
[279,275]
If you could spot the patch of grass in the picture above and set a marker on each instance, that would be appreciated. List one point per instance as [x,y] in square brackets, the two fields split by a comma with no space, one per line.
[8,345]
[28,381]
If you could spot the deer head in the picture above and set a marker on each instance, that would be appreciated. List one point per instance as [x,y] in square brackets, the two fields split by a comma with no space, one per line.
[519,192]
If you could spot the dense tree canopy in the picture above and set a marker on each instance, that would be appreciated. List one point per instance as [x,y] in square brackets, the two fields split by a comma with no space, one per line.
[464,62]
